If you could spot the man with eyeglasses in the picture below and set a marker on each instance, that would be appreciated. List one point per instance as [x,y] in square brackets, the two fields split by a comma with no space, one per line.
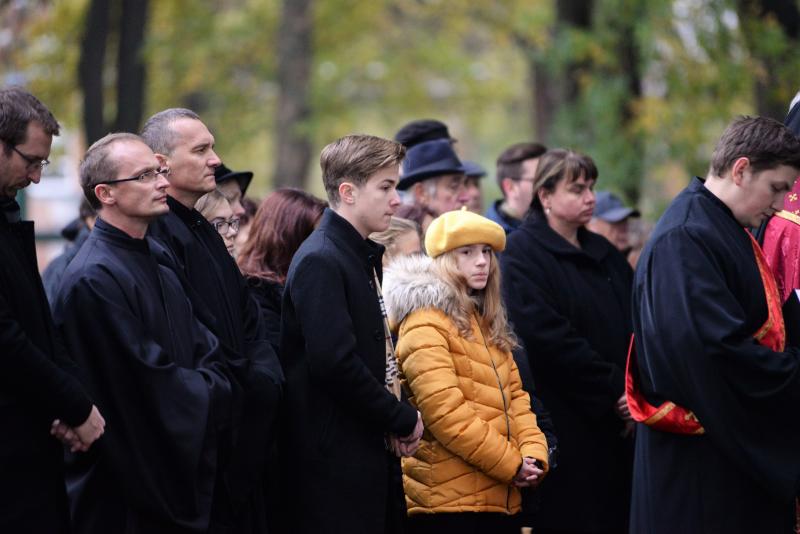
[183,143]
[158,373]
[40,393]
[516,169]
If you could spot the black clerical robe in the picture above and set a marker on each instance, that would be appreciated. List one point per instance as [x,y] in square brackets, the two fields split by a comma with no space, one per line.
[160,381]
[221,296]
[698,300]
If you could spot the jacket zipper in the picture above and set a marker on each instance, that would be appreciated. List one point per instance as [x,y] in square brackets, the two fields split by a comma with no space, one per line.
[505,407]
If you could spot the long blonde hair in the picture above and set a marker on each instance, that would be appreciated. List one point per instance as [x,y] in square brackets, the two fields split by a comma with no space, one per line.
[487,303]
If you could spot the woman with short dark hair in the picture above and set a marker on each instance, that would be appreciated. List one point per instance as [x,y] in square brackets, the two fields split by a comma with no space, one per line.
[568,295]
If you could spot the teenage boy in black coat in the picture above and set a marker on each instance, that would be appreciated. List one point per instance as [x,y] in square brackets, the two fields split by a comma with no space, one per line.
[37,385]
[342,422]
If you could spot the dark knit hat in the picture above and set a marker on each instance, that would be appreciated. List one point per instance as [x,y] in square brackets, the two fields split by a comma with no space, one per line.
[416,132]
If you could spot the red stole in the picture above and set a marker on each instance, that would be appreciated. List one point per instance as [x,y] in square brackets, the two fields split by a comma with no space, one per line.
[668,416]
[782,250]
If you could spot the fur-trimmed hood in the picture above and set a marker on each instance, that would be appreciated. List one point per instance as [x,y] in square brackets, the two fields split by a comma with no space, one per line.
[411,283]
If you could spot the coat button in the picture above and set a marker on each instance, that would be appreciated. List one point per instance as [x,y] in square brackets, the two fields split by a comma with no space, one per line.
[378,335]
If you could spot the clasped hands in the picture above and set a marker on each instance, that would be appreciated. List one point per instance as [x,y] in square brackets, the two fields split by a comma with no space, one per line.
[408,445]
[80,438]
[623,411]
[529,474]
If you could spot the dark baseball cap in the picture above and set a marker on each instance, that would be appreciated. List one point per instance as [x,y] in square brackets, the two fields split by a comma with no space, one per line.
[610,208]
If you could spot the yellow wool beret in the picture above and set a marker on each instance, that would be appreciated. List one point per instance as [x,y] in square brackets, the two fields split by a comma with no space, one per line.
[459,228]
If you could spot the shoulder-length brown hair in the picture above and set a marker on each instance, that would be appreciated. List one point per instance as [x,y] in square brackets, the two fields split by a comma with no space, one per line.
[487,303]
[282,222]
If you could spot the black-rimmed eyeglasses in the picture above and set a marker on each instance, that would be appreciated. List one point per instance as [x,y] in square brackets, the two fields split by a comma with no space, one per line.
[224,226]
[145,177]
[34,163]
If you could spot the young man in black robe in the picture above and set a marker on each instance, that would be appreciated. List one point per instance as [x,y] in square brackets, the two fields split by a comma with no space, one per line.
[221,296]
[38,383]
[343,400]
[156,371]
[716,390]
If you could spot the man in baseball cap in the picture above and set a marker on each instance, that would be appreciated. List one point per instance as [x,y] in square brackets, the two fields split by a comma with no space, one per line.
[610,219]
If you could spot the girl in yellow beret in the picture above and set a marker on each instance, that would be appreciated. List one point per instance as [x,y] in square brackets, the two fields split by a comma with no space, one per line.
[481,441]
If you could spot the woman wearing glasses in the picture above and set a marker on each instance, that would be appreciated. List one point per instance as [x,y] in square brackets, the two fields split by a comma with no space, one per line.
[217,210]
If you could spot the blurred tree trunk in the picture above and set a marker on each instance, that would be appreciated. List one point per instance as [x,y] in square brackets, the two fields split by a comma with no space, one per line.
[123,23]
[90,68]
[554,86]
[773,88]
[629,67]
[295,56]
[130,67]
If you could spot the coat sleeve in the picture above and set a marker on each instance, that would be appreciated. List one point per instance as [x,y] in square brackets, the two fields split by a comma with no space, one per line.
[427,364]
[543,419]
[531,439]
[161,417]
[592,383]
[32,373]
[319,300]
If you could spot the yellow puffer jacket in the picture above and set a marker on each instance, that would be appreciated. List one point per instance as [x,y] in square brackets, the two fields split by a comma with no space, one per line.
[478,422]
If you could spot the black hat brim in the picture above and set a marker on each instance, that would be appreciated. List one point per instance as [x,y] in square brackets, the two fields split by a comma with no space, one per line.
[243,178]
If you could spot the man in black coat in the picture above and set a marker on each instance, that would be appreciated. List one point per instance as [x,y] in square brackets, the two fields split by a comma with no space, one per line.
[720,454]
[344,419]
[37,385]
[221,296]
[158,373]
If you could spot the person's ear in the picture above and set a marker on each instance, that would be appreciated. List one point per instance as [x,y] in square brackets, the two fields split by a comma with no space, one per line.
[543,195]
[420,193]
[738,169]
[104,194]
[507,185]
[163,160]
[348,193]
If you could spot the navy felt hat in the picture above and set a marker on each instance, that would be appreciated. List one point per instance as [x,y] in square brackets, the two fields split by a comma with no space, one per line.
[223,174]
[473,169]
[429,159]
[610,208]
